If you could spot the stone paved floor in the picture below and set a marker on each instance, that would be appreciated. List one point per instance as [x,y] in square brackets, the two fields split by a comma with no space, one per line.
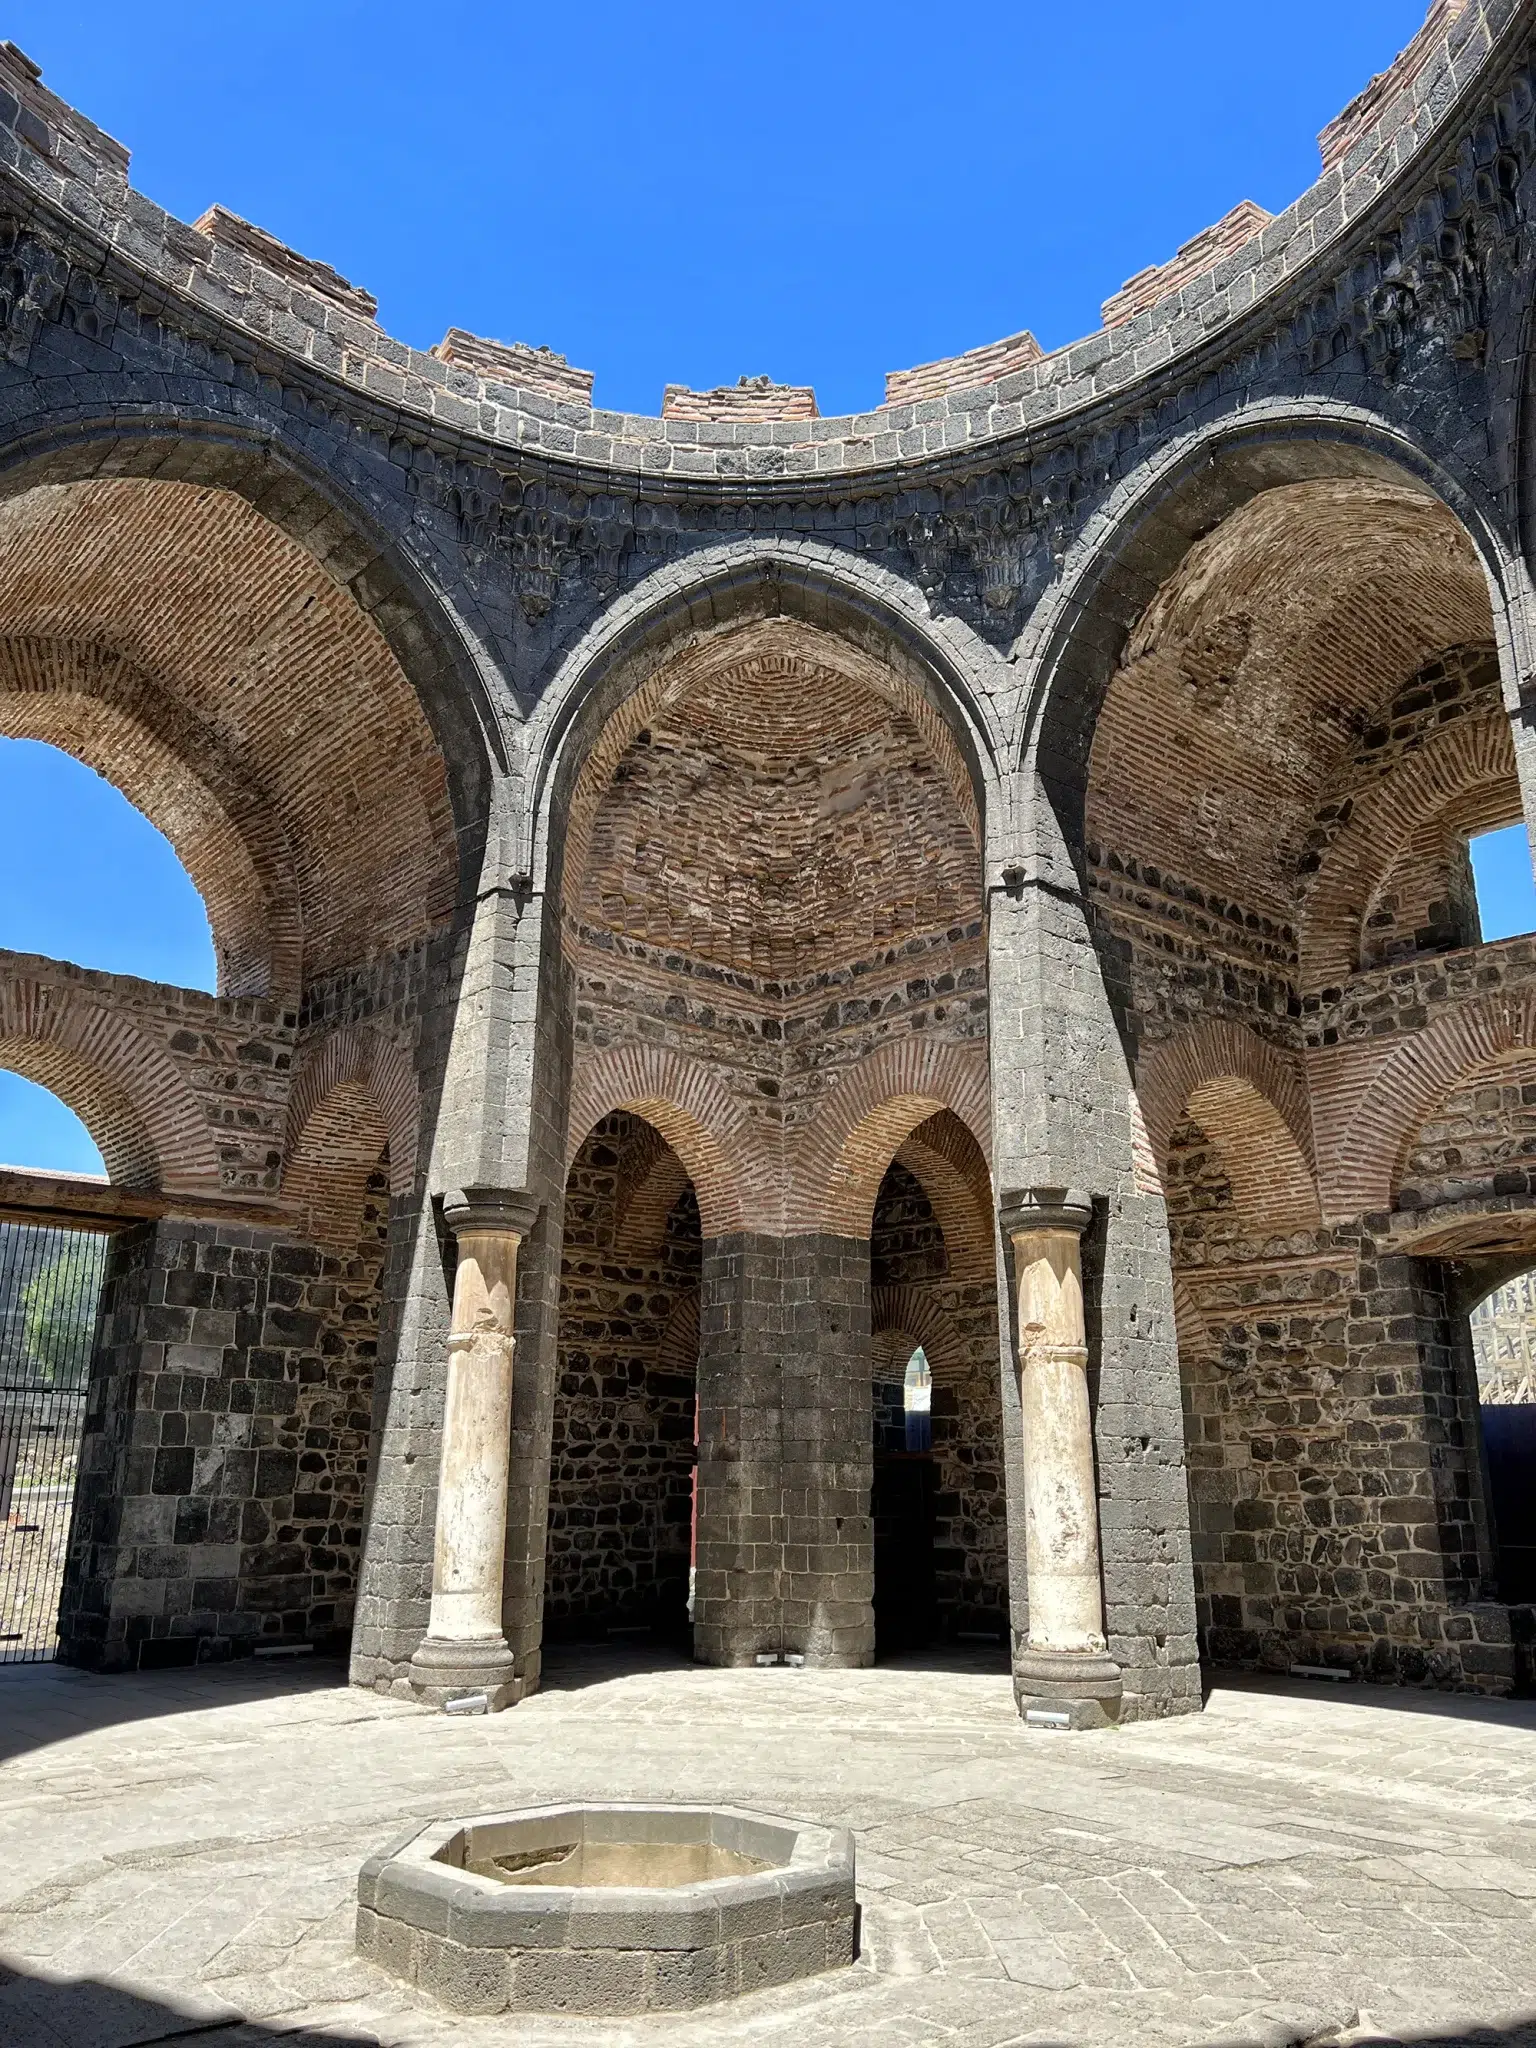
[178,1853]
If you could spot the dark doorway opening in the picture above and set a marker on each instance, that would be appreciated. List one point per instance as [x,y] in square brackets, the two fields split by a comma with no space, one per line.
[622,1472]
[1503,1327]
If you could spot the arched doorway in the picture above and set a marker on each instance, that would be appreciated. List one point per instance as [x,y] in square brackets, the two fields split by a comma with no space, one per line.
[259,1133]
[938,1500]
[772,907]
[620,1545]
[1305,731]
[903,1500]
[88,879]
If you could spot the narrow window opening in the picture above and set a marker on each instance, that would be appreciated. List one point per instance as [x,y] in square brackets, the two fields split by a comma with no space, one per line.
[1503,883]
[917,1402]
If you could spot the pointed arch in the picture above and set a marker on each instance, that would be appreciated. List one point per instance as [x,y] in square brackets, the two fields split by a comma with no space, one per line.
[912,1313]
[355,1098]
[1249,1098]
[132,729]
[691,1110]
[1371,1152]
[1473,759]
[867,615]
[947,1162]
[654,1182]
[150,1128]
[874,1109]
[1133,543]
[364,1060]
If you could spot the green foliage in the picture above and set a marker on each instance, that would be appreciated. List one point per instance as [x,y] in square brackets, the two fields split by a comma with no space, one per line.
[59,1314]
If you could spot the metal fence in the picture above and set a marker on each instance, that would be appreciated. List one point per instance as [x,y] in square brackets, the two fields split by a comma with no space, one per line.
[50,1287]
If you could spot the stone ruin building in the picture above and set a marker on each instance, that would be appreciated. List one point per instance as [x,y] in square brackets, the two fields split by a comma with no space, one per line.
[710,906]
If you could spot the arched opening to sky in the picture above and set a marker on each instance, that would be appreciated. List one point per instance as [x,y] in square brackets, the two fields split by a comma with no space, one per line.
[84,877]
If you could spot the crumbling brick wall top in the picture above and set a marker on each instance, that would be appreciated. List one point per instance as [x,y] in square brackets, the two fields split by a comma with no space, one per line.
[514,362]
[752,398]
[229,231]
[985,365]
[1368,107]
[1200,253]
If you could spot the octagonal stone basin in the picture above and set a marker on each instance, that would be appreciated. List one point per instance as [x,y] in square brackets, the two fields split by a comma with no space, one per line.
[607,1909]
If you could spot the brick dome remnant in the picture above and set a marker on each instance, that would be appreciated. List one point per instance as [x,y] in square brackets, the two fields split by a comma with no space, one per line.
[192,653]
[770,875]
[749,856]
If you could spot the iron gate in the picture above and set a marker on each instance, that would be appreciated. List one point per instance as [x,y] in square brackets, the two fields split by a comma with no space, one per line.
[50,1286]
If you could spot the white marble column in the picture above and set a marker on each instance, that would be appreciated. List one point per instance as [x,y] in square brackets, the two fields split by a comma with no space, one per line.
[1065,1660]
[464,1650]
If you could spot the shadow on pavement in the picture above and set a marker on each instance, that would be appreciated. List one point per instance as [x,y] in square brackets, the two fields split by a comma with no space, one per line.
[1398,1699]
[44,1703]
[37,2011]
[568,1667]
[1518,2034]
[40,2011]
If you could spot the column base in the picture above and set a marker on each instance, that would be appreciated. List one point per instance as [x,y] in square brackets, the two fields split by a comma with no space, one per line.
[1086,1685]
[442,1671]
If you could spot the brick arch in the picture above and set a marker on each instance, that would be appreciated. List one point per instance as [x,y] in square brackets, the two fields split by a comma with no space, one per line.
[1463,774]
[822,699]
[879,625]
[1373,1147]
[654,1182]
[249,628]
[1126,551]
[148,1125]
[1250,1099]
[335,514]
[911,1312]
[678,1351]
[692,1111]
[874,1109]
[946,1161]
[340,1148]
[109,713]
[361,1065]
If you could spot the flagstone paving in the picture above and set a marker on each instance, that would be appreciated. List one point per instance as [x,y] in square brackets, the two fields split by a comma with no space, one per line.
[178,1854]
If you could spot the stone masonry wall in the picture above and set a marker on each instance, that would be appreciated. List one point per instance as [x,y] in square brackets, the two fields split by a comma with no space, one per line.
[223,1466]
[1332,1470]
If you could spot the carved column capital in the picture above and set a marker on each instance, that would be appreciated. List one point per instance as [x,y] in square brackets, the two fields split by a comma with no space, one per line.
[490,1212]
[1025,1210]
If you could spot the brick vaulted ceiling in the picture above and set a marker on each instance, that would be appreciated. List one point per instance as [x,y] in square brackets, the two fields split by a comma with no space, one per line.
[193,654]
[1256,670]
[777,819]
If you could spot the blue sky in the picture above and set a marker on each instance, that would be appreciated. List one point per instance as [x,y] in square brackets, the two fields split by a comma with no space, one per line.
[689,192]
[680,193]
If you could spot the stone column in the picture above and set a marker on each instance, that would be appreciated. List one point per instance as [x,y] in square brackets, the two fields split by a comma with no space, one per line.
[464,1650]
[1065,1661]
